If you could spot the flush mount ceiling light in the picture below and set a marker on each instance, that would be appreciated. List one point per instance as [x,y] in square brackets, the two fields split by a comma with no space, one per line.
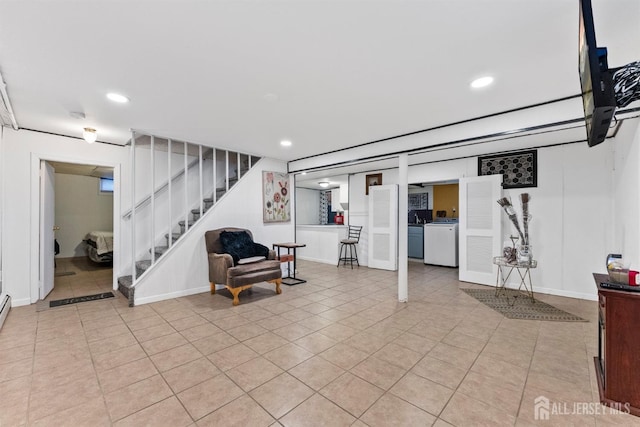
[482,82]
[285,143]
[323,184]
[116,97]
[90,135]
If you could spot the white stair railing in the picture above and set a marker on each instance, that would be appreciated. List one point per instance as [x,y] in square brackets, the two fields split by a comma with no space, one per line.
[170,181]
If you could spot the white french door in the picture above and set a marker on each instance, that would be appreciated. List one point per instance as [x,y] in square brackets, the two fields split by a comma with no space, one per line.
[383,227]
[480,228]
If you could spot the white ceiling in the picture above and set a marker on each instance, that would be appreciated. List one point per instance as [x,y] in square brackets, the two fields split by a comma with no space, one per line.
[325,74]
[84,170]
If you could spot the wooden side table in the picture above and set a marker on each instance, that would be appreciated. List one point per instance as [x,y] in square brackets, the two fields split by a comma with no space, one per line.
[290,280]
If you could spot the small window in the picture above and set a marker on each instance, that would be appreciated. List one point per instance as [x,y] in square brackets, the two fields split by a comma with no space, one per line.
[106,185]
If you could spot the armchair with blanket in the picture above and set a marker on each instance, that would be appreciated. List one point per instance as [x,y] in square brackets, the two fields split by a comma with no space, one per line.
[237,262]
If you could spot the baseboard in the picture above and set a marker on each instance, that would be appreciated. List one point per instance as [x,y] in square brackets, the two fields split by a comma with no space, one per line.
[170,295]
[560,292]
[5,306]
[21,302]
[324,261]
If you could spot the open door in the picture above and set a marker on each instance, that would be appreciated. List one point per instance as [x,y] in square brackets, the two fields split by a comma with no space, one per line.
[383,227]
[47,218]
[480,228]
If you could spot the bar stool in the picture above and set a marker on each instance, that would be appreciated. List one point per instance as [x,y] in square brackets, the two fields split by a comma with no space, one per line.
[350,244]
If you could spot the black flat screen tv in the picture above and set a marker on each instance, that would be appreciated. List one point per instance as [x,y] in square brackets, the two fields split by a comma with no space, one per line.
[595,78]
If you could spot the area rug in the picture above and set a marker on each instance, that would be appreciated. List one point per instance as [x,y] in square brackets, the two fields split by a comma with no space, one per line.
[75,300]
[513,304]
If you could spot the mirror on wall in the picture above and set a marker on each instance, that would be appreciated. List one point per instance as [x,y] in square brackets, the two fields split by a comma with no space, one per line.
[321,200]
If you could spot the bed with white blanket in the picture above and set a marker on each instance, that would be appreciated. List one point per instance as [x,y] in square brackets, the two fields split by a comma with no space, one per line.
[100,246]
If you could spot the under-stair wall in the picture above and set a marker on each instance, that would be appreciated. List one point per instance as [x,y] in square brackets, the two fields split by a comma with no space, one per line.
[184,270]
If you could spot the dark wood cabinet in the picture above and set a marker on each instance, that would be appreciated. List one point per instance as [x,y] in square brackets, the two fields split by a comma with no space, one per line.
[618,360]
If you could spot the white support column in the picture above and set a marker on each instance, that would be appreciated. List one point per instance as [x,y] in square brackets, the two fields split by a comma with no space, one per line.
[201,179]
[133,207]
[169,182]
[403,228]
[186,189]
[153,200]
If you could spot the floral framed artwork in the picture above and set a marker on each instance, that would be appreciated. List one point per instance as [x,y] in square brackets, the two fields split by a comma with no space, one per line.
[373,179]
[275,197]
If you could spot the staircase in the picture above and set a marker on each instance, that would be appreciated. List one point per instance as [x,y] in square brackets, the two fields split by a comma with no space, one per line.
[178,197]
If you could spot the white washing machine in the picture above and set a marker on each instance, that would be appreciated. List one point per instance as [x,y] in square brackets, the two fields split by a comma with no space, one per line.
[441,244]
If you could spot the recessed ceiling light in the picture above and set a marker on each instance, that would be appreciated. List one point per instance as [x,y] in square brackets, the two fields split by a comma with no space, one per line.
[323,184]
[285,143]
[116,97]
[304,173]
[482,82]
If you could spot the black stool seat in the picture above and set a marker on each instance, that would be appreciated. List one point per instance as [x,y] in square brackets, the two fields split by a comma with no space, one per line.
[350,244]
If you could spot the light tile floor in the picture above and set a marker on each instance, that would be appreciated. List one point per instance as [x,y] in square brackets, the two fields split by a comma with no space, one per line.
[338,350]
[79,277]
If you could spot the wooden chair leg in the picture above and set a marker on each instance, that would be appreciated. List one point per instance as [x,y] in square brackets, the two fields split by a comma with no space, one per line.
[235,292]
[277,282]
[213,288]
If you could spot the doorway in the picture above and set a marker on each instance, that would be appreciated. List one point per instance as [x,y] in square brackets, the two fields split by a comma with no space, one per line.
[433,221]
[76,204]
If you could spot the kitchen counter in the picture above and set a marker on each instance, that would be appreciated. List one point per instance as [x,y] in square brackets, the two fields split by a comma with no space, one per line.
[323,242]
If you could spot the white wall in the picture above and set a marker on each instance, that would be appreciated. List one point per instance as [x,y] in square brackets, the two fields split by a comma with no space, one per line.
[2,288]
[21,152]
[572,226]
[185,270]
[80,208]
[626,188]
[307,206]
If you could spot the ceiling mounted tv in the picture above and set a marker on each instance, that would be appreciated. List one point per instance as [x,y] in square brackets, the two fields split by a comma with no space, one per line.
[598,96]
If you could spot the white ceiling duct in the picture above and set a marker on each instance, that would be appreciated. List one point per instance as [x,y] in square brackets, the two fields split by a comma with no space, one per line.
[7,118]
